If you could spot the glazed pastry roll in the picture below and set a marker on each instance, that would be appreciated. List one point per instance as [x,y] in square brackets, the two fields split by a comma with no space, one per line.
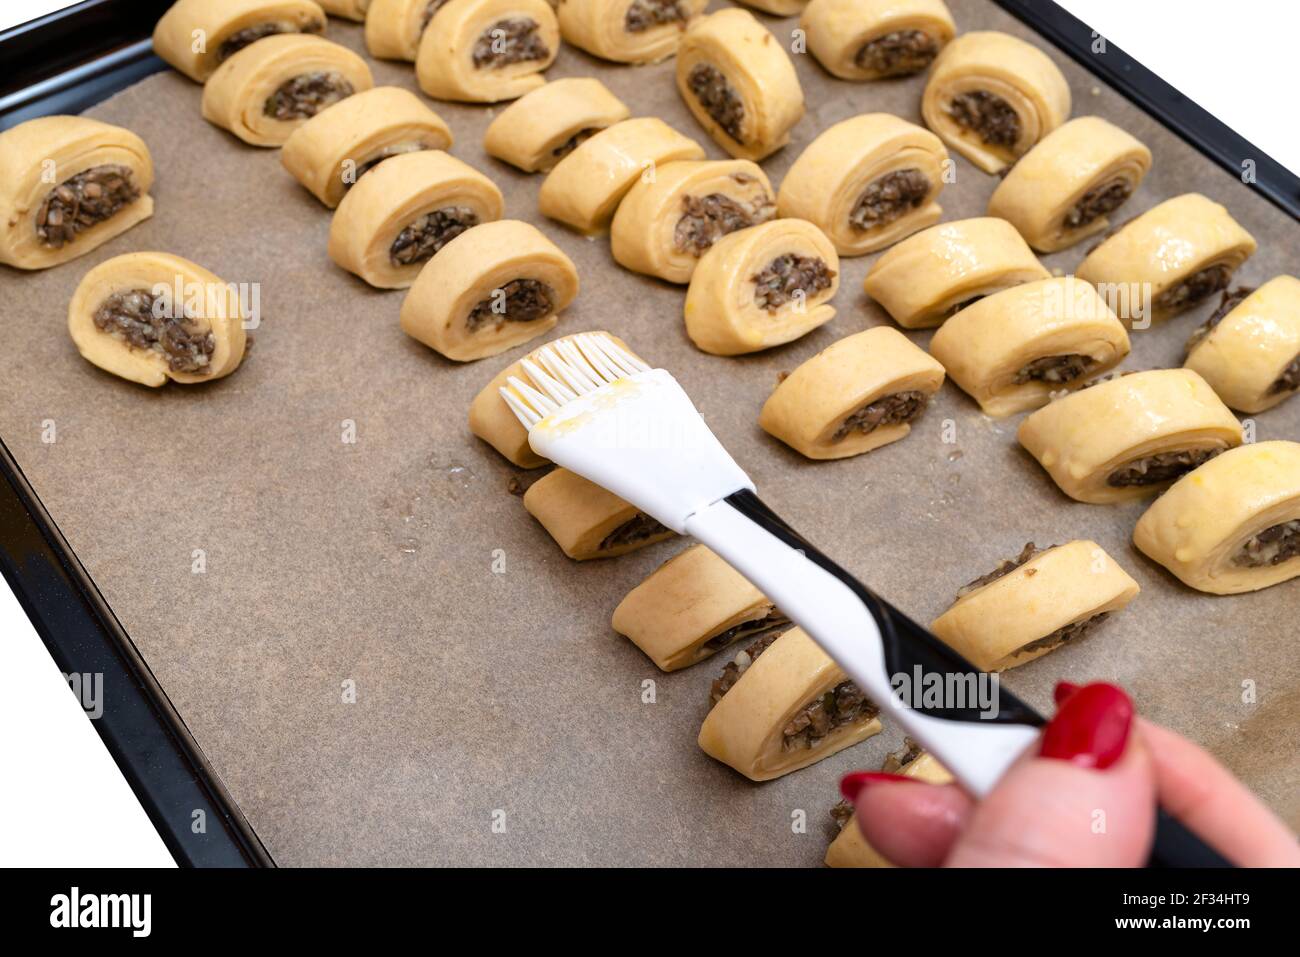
[627,31]
[265,92]
[761,287]
[664,225]
[588,521]
[1232,527]
[347,9]
[149,317]
[197,36]
[336,147]
[857,395]
[935,274]
[873,39]
[585,187]
[867,182]
[1249,350]
[693,606]
[1033,604]
[542,127]
[1011,350]
[783,704]
[991,97]
[394,27]
[485,51]
[738,82]
[396,218]
[68,185]
[1183,251]
[1062,190]
[489,289]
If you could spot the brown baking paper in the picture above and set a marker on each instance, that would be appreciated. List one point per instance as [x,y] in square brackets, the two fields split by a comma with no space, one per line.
[497,718]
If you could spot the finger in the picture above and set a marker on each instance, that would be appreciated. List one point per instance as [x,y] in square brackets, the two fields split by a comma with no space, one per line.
[913,824]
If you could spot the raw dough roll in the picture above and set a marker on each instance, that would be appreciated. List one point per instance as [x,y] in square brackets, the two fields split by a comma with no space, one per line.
[991,97]
[854,396]
[1033,604]
[693,606]
[867,182]
[489,289]
[782,705]
[395,219]
[1232,527]
[68,185]
[664,225]
[149,317]
[1011,350]
[542,127]
[586,185]
[761,287]
[588,521]
[627,31]
[1131,436]
[1062,190]
[935,274]
[493,422]
[1249,350]
[394,27]
[265,92]
[738,82]
[197,36]
[873,39]
[485,51]
[347,9]
[336,147]
[1179,253]
[777,8]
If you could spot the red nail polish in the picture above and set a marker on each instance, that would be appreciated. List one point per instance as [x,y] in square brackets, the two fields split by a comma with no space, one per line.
[1063,690]
[1091,728]
[851,785]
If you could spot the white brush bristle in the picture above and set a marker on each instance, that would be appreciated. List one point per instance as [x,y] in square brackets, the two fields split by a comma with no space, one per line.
[563,370]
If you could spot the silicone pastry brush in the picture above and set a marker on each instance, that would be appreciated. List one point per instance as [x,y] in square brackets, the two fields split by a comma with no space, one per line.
[594,409]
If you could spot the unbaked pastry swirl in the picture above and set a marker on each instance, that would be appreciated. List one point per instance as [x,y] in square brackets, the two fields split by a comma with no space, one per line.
[874,39]
[394,27]
[627,31]
[588,521]
[540,128]
[197,36]
[485,51]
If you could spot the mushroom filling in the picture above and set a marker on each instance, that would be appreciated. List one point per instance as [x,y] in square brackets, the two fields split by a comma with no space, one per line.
[643,14]
[706,219]
[842,813]
[773,620]
[897,53]
[1289,380]
[738,665]
[1066,633]
[717,97]
[242,38]
[1098,202]
[520,300]
[636,529]
[574,141]
[889,198]
[893,409]
[512,40]
[130,317]
[987,115]
[388,152]
[789,277]
[1196,287]
[81,201]
[433,7]
[1159,468]
[1055,369]
[302,97]
[1272,546]
[424,237]
[1229,301]
[1005,567]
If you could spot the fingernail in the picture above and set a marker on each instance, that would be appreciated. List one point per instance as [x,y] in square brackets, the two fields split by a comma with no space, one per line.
[1091,728]
[851,785]
[1063,690]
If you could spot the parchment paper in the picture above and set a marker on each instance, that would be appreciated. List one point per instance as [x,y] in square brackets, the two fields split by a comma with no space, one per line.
[486,698]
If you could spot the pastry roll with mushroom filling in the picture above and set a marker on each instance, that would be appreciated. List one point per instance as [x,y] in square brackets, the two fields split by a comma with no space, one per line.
[588,521]
[935,274]
[1183,251]
[738,82]
[1034,603]
[197,36]
[854,396]
[493,422]
[394,27]
[761,287]
[874,39]
[1249,349]
[485,51]
[783,704]
[406,209]
[1233,525]
[542,127]
[338,146]
[149,317]
[1062,190]
[867,182]
[265,92]
[664,225]
[627,31]
[584,188]
[1130,436]
[489,289]
[991,97]
[347,9]
[1011,350]
[68,185]
[693,606]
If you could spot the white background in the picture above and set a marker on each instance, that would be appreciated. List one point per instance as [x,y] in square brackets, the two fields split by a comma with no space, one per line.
[62,801]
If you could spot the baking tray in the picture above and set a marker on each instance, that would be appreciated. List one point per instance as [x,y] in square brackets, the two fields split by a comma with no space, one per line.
[478,699]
